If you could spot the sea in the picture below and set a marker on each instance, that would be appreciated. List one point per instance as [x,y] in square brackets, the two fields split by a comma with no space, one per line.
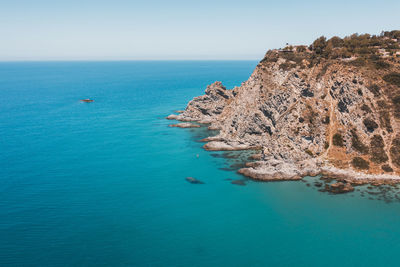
[104,183]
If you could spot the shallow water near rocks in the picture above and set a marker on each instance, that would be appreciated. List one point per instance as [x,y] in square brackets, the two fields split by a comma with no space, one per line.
[103,183]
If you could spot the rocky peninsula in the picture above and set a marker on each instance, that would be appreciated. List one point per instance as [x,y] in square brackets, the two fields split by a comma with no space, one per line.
[331,108]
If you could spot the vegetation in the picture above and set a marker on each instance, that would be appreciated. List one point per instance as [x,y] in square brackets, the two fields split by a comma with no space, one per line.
[357,144]
[392,78]
[360,163]
[309,152]
[311,115]
[363,49]
[396,104]
[366,108]
[380,64]
[395,151]
[363,46]
[287,66]
[337,140]
[392,34]
[386,168]
[384,117]
[301,48]
[326,120]
[370,124]
[326,145]
[377,146]
[375,89]
[359,62]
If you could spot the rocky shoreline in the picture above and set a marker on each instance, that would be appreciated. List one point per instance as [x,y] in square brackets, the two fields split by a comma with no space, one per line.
[307,117]
[277,170]
[185,125]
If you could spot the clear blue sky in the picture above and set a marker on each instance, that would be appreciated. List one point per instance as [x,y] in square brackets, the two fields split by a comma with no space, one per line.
[175,29]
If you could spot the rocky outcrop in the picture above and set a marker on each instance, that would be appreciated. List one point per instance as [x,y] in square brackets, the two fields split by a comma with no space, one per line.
[185,125]
[309,113]
[227,146]
[206,108]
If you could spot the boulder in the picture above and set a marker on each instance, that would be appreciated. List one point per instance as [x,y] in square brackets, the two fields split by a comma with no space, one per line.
[185,125]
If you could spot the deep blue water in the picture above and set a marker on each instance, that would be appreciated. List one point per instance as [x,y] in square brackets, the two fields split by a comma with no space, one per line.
[103,183]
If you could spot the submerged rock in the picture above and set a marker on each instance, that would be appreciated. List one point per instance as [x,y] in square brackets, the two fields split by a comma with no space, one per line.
[339,187]
[238,182]
[193,180]
[317,184]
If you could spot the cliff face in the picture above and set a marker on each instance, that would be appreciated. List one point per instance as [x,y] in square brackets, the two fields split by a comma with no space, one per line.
[335,116]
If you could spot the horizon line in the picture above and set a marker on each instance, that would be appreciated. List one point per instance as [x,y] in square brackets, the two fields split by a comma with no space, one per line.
[118,60]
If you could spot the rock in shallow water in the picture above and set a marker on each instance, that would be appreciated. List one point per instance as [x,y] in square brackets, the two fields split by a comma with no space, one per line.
[339,187]
[193,180]
[256,156]
[238,182]
[185,125]
[172,117]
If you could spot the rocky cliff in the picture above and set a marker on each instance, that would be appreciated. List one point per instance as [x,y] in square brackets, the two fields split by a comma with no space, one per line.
[331,108]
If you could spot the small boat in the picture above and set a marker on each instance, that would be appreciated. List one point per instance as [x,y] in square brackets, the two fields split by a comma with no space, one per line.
[87,100]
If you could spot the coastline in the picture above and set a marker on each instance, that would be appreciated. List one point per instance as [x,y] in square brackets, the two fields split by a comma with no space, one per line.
[308,115]
[284,171]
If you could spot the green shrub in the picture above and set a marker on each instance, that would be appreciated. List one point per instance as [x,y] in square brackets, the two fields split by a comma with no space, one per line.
[319,45]
[270,56]
[377,146]
[392,78]
[358,62]
[384,117]
[392,34]
[380,64]
[326,145]
[357,144]
[386,168]
[363,45]
[375,89]
[336,41]
[301,48]
[326,120]
[366,108]
[286,66]
[309,152]
[370,124]
[360,163]
[292,57]
[395,151]
[396,104]
[337,140]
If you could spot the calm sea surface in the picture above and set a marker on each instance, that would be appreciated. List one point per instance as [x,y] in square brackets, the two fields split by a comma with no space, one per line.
[103,183]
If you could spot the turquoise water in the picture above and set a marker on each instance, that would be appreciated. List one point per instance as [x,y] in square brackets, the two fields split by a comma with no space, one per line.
[103,183]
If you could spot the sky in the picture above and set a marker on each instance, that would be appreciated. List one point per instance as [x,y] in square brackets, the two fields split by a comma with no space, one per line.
[179,30]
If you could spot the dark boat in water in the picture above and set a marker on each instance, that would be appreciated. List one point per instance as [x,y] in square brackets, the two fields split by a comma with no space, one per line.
[87,100]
